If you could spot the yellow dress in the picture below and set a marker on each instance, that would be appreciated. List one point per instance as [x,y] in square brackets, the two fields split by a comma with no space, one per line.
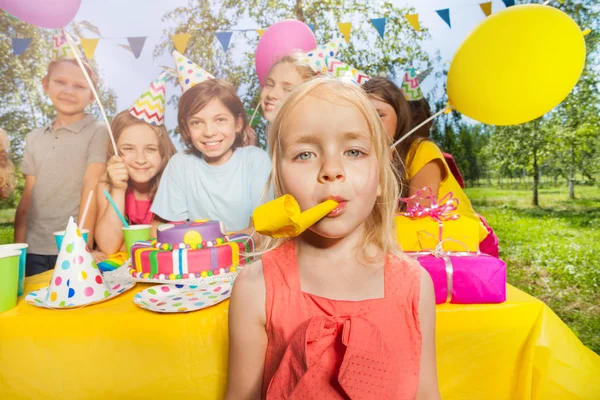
[424,152]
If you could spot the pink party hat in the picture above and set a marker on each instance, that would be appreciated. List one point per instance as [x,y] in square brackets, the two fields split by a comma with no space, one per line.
[61,49]
[316,58]
[410,86]
[189,73]
[150,106]
[346,72]
[76,281]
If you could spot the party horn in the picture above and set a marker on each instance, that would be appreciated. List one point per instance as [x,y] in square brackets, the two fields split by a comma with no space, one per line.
[282,218]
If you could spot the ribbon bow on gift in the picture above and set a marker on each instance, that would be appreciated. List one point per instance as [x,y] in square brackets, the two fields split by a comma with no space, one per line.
[314,351]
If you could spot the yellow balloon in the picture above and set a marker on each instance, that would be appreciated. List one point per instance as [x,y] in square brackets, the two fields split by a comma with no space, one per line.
[517,65]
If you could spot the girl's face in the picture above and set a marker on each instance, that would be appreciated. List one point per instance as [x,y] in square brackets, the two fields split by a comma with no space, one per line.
[213,131]
[68,89]
[330,156]
[387,115]
[138,145]
[281,81]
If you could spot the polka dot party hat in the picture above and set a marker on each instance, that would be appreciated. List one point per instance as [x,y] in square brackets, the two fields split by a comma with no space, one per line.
[76,281]
[345,72]
[316,58]
[61,49]
[189,74]
[150,106]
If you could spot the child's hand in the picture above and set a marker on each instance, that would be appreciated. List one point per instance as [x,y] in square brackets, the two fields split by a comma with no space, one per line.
[98,256]
[250,137]
[117,173]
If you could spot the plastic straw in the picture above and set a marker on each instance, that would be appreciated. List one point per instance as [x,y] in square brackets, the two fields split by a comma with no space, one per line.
[114,206]
[86,209]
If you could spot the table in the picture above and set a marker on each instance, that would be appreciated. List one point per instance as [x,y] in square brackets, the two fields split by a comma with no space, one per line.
[516,350]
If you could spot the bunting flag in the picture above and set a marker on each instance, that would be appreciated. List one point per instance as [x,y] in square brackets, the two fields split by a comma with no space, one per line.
[346,72]
[136,44]
[150,106]
[508,3]
[189,73]
[316,58]
[486,8]
[413,20]
[260,32]
[379,24]
[445,15]
[410,86]
[312,27]
[89,46]
[19,45]
[180,41]
[345,28]
[224,39]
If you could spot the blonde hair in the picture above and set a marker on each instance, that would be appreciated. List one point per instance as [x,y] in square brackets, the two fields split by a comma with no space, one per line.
[305,71]
[166,149]
[8,180]
[379,226]
[91,72]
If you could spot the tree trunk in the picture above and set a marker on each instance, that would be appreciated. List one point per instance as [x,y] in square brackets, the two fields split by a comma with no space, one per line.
[299,11]
[572,176]
[536,179]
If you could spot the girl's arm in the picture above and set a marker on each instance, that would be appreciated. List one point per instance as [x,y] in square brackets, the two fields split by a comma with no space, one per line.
[109,232]
[430,175]
[428,380]
[247,335]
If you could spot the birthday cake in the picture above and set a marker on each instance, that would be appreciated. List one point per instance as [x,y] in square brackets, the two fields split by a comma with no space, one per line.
[191,249]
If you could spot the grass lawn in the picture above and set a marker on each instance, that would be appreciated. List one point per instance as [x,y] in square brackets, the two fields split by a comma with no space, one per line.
[552,251]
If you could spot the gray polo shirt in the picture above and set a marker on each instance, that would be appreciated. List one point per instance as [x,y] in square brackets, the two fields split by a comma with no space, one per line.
[58,161]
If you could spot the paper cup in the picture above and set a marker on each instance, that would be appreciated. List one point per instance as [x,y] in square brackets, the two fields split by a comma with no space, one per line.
[60,235]
[135,233]
[9,278]
[22,247]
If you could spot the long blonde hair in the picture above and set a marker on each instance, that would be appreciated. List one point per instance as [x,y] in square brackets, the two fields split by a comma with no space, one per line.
[379,226]
[166,149]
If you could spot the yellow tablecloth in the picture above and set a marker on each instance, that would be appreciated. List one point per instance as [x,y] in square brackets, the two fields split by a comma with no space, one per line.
[115,350]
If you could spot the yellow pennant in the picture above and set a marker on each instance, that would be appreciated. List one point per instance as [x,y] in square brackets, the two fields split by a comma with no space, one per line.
[260,32]
[413,20]
[345,27]
[486,8]
[180,41]
[89,47]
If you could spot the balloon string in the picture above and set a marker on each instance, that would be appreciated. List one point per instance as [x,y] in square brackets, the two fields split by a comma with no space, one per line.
[89,80]
[437,114]
[254,113]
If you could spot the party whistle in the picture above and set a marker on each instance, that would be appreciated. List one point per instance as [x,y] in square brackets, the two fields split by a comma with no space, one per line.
[282,218]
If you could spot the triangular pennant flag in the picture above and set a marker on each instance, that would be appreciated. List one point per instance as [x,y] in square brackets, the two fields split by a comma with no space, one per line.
[76,280]
[189,73]
[410,86]
[345,72]
[19,45]
[61,49]
[345,28]
[180,41]
[316,58]
[508,3]
[379,24]
[445,15]
[312,27]
[413,20]
[89,46]
[260,32]
[150,106]
[136,44]
[224,38]
[486,8]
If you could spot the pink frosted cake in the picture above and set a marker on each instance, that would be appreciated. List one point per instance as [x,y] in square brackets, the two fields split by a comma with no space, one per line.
[192,249]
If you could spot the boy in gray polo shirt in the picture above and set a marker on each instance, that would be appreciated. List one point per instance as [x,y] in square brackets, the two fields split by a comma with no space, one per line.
[62,163]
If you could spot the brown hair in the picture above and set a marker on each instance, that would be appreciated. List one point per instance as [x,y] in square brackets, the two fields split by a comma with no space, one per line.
[166,149]
[305,71]
[8,181]
[198,97]
[91,72]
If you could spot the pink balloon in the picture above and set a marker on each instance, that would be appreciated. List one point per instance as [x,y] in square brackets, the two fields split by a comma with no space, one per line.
[279,40]
[43,13]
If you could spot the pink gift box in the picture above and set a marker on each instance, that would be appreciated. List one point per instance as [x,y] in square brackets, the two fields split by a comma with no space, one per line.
[472,279]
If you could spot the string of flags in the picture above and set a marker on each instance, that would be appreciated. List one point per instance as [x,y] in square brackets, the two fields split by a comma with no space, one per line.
[135,45]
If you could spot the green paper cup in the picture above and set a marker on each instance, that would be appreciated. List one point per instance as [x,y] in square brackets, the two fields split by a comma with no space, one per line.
[22,247]
[135,233]
[60,235]
[9,278]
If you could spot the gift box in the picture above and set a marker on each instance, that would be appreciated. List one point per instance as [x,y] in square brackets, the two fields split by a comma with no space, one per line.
[468,278]
[425,234]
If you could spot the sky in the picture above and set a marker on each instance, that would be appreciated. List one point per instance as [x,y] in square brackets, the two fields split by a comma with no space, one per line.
[130,77]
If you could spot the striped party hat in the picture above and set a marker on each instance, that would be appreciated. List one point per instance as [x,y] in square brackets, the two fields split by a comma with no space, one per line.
[61,49]
[189,73]
[150,106]
[410,86]
[346,72]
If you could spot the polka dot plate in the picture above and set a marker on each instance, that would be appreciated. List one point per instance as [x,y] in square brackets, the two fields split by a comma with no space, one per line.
[116,285]
[183,298]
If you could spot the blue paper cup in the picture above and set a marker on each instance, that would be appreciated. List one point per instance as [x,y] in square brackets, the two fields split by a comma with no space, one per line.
[22,247]
[60,235]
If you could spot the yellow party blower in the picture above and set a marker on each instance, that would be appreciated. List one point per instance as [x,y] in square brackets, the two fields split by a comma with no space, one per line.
[282,218]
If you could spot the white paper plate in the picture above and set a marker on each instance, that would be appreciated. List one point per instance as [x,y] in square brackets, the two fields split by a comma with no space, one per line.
[183,298]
